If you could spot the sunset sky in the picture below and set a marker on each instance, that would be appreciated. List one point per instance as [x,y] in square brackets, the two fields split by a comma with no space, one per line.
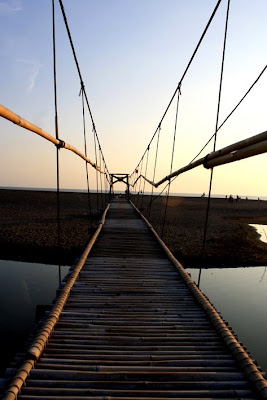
[132,54]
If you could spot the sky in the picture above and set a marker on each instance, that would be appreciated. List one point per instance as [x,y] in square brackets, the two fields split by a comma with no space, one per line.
[132,55]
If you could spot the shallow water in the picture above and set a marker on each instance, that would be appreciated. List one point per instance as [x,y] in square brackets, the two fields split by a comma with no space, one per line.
[262,230]
[23,286]
[240,294]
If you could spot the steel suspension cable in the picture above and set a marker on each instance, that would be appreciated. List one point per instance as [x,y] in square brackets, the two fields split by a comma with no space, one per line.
[215,137]
[56,125]
[154,172]
[78,67]
[86,165]
[138,194]
[173,147]
[106,187]
[230,114]
[186,69]
[147,157]
[101,188]
[135,179]
[133,184]
[97,202]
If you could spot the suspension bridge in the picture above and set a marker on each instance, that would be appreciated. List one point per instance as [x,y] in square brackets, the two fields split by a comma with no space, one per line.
[128,320]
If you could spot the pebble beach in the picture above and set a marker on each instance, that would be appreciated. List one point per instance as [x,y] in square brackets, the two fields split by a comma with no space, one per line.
[29,227]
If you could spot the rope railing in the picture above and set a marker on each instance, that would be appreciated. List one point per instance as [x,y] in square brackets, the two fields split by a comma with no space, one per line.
[246,148]
[16,119]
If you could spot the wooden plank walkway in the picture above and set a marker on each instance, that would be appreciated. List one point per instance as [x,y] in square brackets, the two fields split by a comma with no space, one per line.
[132,328]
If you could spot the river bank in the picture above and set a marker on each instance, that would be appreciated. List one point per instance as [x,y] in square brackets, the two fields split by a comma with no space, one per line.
[230,241]
[28,222]
[28,231]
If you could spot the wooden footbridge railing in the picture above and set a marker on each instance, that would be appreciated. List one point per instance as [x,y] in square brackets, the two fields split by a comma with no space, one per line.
[130,323]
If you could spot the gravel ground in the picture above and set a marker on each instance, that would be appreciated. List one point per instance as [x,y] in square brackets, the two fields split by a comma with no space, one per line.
[28,221]
[230,240]
[28,224]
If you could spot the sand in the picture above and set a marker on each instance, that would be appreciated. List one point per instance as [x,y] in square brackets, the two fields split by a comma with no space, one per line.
[29,228]
[29,225]
[230,240]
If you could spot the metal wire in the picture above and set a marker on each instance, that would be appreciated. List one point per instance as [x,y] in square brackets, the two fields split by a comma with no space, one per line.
[78,68]
[138,194]
[86,165]
[230,114]
[185,72]
[101,188]
[154,173]
[56,127]
[173,147]
[215,138]
[97,202]
[147,157]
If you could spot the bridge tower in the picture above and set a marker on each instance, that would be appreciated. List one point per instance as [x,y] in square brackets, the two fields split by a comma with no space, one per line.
[120,178]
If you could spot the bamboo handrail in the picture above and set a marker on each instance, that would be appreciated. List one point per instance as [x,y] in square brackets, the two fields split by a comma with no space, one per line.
[16,119]
[245,362]
[43,335]
[249,147]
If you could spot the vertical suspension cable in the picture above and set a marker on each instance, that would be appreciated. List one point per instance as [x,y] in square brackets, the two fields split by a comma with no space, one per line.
[56,129]
[215,139]
[154,172]
[97,202]
[173,147]
[138,194]
[145,176]
[86,164]
[135,183]
[106,186]
[101,188]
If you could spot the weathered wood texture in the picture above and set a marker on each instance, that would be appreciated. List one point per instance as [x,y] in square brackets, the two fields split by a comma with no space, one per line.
[131,328]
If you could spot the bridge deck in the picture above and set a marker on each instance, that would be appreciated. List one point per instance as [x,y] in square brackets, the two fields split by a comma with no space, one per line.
[131,328]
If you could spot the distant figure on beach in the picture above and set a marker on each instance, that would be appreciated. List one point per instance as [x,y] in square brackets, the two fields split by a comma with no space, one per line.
[203,195]
[237,198]
[231,199]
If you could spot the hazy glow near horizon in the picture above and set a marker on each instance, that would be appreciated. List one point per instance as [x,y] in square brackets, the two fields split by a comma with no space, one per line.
[132,55]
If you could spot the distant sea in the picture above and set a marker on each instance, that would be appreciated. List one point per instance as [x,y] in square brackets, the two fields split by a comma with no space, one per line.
[219,196]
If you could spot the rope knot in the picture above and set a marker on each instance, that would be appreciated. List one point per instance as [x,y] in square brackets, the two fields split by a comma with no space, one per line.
[179,88]
[61,144]
[82,88]
[205,162]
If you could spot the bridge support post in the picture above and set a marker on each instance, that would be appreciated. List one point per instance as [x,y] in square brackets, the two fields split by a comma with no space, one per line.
[124,178]
[110,187]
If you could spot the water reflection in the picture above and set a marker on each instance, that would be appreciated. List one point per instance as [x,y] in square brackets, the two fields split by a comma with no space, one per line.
[262,230]
[240,294]
[23,286]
